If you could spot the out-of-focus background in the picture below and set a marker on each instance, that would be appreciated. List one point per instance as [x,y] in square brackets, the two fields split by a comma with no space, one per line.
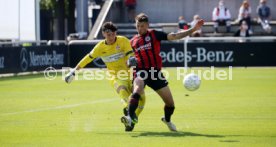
[41,39]
[34,20]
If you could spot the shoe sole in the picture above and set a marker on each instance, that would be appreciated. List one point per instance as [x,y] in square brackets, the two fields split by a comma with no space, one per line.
[125,121]
[129,129]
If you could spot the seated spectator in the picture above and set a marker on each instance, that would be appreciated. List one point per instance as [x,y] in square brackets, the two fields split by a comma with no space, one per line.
[131,8]
[243,30]
[197,33]
[182,24]
[245,14]
[264,15]
[221,16]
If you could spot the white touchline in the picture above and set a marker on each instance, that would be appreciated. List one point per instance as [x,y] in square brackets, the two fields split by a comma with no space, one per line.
[59,107]
[64,106]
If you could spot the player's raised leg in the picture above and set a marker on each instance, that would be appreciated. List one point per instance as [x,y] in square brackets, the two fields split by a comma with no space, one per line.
[123,89]
[141,105]
[138,90]
[129,124]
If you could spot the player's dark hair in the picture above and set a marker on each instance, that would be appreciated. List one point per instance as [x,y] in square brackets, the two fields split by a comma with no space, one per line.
[142,17]
[109,26]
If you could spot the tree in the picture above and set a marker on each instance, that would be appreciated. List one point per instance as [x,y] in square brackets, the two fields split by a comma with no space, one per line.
[61,9]
[71,16]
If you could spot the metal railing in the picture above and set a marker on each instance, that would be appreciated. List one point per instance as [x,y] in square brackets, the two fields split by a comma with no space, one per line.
[23,43]
[31,43]
[83,42]
[96,28]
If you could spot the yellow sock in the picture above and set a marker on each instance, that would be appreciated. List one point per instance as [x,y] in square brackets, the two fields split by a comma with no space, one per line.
[124,94]
[141,105]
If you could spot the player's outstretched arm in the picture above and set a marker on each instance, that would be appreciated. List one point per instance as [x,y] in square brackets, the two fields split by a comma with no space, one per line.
[182,34]
[71,75]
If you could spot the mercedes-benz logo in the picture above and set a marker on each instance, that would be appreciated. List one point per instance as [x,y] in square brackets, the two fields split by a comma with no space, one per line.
[99,63]
[23,59]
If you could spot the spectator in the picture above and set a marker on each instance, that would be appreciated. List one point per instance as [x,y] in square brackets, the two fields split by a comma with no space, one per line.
[264,15]
[131,8]
[245,14]
[243,30]
[221,16]
[197,33]
[182,24]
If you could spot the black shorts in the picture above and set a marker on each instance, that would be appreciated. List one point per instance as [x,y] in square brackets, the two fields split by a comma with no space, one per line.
[152,78]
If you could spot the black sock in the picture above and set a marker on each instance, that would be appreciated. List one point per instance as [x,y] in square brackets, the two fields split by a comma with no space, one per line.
[168,113]
[133,104]
[125,111]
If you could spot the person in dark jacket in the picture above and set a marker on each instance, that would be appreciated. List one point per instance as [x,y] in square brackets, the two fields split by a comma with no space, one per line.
[243,31]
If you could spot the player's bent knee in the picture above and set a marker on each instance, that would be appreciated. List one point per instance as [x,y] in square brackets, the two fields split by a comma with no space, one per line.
[122,87]
[124,94]
[169,103]
[138,82]
[138,87]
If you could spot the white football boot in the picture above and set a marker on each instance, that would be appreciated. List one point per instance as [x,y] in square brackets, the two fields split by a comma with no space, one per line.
[126,120]
[170,125]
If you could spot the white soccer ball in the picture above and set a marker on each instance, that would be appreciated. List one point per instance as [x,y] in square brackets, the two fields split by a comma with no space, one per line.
[191,82]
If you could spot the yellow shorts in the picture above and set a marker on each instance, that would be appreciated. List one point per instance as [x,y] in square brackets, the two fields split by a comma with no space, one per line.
[117,83]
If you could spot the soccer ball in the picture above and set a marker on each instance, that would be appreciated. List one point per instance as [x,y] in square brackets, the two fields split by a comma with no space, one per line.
[191,82]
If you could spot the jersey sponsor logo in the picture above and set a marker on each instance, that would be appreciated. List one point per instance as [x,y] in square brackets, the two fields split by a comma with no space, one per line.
[147,38]
[113,58]
[144,47]
[118,47]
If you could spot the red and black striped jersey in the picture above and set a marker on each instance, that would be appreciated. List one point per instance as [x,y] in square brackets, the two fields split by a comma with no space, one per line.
[147,49]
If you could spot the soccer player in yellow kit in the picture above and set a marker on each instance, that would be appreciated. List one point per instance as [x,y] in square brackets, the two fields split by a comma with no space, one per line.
[115,51]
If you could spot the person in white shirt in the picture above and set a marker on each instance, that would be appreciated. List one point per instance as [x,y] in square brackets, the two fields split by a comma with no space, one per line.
[197,33]
[245,14]
[221,16]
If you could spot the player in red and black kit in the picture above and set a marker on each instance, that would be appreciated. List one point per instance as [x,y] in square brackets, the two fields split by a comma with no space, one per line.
[146,45]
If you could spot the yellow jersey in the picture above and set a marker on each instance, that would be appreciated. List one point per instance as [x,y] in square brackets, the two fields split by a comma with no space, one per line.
[114,56]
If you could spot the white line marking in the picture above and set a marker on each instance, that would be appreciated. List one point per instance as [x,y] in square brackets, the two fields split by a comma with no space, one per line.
[60,107]
[65,106]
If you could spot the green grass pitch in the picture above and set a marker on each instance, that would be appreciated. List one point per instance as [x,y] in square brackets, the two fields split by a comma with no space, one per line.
[38,112]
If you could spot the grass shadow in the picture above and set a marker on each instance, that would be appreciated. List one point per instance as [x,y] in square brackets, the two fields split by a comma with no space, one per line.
[176,134]
[229,141]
